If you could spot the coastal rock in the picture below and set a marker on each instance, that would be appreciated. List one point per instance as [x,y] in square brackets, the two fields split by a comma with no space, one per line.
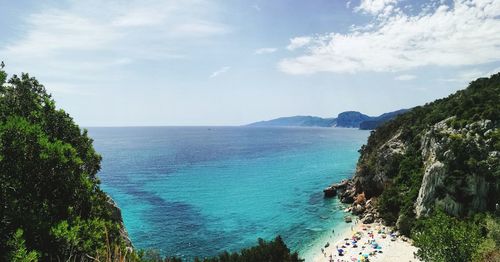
[347,197]
[337,189]
[358,209]
[368,219]
[371,179]
[116,215]
[330,192]
[458,195]
[433,179]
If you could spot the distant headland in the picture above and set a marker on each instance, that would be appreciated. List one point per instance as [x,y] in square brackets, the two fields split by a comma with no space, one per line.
[348,119]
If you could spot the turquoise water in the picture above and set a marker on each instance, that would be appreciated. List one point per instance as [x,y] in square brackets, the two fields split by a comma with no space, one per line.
[197,191]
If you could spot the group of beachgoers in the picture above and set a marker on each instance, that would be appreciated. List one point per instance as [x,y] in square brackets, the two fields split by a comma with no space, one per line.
[362,246]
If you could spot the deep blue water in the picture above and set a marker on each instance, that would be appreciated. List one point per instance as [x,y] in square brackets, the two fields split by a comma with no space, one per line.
[190,191]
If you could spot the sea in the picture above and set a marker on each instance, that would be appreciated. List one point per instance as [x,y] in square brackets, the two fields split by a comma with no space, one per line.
[199,191]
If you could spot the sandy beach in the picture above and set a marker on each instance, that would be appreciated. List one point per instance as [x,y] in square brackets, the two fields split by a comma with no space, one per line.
[372,241]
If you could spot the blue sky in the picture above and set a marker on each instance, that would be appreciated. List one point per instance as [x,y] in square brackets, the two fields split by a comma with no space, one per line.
[197,62]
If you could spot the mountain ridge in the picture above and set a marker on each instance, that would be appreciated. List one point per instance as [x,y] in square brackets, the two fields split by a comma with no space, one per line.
[346,119]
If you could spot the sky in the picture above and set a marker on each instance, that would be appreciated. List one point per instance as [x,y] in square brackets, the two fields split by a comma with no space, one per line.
[219,62]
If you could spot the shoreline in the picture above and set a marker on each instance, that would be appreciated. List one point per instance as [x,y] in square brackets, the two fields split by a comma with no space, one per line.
[393,249]
[329,237]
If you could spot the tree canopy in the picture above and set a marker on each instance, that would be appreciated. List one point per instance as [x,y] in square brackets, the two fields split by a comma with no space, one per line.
[52,207]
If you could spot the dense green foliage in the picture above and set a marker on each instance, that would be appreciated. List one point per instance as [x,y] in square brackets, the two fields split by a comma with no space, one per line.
[19,252]
[269,251]
[52,207]
[399,197]
[443,238]
[272,251]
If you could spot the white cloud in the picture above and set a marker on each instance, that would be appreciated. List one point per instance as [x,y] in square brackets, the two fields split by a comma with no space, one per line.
[376,6]
[265,50]
[58,31]
[465,33]
[256,7]
[220,71]
[405,77]
[93,42]
[298,42]
[104,30]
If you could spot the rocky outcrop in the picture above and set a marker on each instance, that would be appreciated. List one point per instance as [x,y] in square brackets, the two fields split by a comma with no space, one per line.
[116,216]
[456,194]
[336,189]
[371,179]
[444,154]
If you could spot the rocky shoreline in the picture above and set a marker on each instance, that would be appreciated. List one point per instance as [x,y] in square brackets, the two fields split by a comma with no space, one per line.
[364,208]
[116,216]
[369,180]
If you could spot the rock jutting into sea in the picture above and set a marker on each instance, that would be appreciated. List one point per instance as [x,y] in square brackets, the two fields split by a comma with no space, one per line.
[116,215]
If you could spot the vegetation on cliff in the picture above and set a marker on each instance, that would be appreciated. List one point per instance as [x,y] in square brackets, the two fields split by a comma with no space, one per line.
[52,207]
[445,238]
[435,171]
[270,251]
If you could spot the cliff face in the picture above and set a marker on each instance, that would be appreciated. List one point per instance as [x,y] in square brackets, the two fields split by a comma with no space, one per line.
[457,195]
[445,155]
[372,181]
[459,192]
[116,215]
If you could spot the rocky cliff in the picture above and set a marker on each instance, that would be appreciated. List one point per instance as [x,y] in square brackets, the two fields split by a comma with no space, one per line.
[458,194]
[445,154]
[116,216]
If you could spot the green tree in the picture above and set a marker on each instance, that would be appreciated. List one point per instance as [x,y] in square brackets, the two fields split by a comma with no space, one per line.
[48,183]
[489,249]
[270,251]
[442,238]
[19,253]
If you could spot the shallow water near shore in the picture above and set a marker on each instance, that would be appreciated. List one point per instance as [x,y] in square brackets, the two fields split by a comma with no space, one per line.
[197,191]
